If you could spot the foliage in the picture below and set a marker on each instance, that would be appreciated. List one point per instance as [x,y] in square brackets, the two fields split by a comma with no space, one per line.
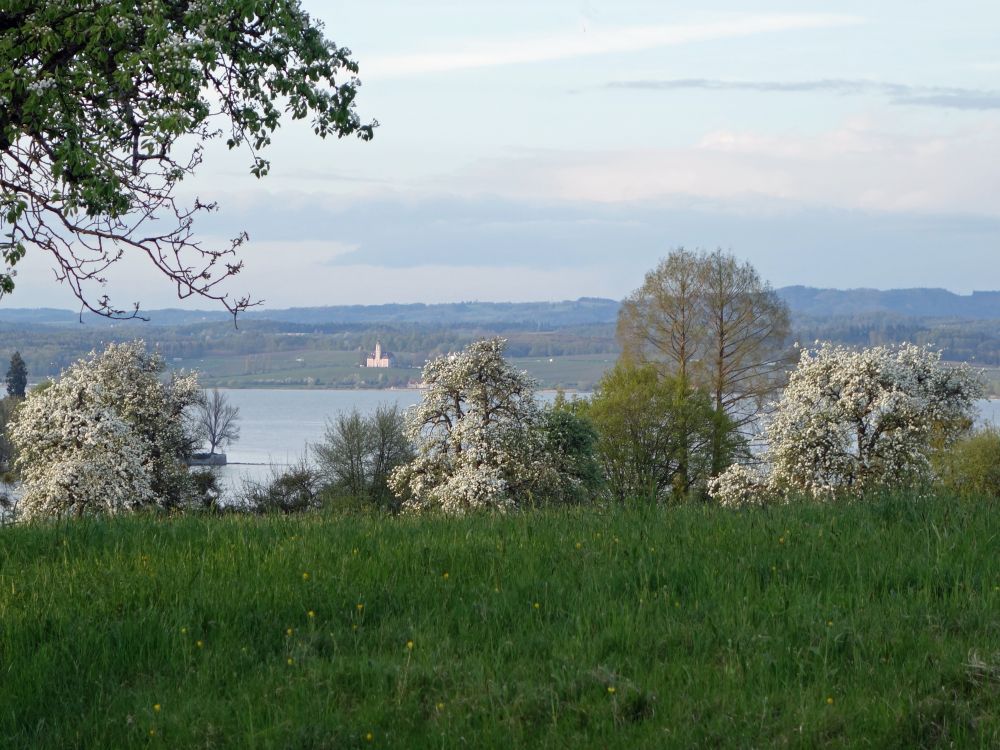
[294,489]
[360,452]
[206,489]
[17,376]
[656,434]
[107,436]
[478,437]
[712,322]
[216,420]
[571,441]
[865,625]
[971,465]
[8,408]
[742,485]
[105,107]
[855,421]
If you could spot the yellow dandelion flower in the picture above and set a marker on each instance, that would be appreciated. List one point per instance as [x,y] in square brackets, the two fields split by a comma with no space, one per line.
[354,551]
[291,661]
[156,707]
[579,545]
[409,645]
[440,706]
[305,576]
[829,623]
[611,689]
[359,606]
[184,631]
[536,605]
[199,644]
[310,614]
[445,575]
[289,631]
[152,732]
[829,700]
[369,737]
[781,540]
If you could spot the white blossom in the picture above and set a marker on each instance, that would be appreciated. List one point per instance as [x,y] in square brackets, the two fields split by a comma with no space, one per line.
[851,421]
[106,437]
[477,434]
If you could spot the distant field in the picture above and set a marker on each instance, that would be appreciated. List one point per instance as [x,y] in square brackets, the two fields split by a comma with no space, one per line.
[306,368]
[576,371]
[874,624]
[338,369]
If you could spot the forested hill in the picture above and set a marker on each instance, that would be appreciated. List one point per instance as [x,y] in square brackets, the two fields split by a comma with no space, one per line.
[921,303]
[805,302]
[522,315]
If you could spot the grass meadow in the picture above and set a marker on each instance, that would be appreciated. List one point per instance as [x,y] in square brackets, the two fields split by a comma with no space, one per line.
[867,625]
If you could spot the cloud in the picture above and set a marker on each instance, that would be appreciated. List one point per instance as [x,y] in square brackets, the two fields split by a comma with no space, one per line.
[857,166]
[308,250]
[596,41]
[896,93]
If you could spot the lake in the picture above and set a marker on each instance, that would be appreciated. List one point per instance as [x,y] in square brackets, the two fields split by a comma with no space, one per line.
[277,426]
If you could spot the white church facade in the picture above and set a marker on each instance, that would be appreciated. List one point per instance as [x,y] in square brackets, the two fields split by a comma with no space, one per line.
[379,358]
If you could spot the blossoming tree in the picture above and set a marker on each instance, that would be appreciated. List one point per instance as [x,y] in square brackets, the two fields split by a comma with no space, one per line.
[851,421]
[478,437]
[108,436]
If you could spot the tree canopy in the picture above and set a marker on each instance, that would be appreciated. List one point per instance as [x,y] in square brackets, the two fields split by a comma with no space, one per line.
[17,376]
[715,324]
[106,105]
[477,431]
[108,436]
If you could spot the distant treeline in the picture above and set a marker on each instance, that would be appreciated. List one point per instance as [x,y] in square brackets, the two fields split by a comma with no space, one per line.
[47,350]
[513,315]
[50,340]
[976,341]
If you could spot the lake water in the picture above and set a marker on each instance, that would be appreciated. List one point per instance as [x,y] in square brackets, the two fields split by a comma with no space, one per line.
[278,426]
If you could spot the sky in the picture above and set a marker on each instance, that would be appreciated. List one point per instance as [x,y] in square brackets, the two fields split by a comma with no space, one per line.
[558,149]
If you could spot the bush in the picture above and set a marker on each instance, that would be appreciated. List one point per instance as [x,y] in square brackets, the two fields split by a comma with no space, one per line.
[294,490]
[971,466]
[206,490]
[656,434]
[360,452]
[571,440]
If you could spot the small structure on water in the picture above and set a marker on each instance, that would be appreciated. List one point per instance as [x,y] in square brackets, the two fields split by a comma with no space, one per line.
[207,459]
[379,358]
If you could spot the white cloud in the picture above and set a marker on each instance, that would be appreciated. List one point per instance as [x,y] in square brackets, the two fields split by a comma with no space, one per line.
[595,41]
[856,166]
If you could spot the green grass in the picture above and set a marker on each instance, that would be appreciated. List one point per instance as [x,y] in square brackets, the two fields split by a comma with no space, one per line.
[626,628]
[571,371]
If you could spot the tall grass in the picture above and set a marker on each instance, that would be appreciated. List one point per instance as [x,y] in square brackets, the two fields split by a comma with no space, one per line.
[873,624]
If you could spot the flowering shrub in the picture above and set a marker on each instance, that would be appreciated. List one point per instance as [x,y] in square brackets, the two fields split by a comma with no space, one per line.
[107,436]
[851,421]
[740,486]
[477,436]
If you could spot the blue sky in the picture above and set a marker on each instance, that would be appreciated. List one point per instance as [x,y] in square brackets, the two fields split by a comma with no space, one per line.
[550,150]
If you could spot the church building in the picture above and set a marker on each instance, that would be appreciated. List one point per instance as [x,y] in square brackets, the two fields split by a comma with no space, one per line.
[379,358]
